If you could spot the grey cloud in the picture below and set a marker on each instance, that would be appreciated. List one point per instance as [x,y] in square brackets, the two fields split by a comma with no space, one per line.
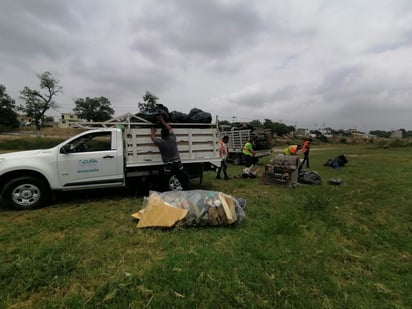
[257,96]
[113,78]
[341,78]
[205,28]
[332,62]
[37,28]
[392,44]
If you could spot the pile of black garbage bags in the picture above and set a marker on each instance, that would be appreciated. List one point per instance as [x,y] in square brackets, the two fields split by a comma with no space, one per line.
[195,115]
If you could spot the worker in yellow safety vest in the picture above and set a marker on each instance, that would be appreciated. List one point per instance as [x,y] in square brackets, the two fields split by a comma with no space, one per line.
[291,150]
[249,154]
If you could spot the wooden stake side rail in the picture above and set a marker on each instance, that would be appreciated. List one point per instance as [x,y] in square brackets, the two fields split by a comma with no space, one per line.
[194,144]
[237,139]
[197,142]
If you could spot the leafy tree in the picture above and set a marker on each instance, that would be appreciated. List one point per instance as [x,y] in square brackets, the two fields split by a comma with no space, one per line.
[149,102]
[94,109]
[256,124]
[224,123]
[381,133]
[278,127]
[8,117]
[37,104]
[341,132]
[320,136]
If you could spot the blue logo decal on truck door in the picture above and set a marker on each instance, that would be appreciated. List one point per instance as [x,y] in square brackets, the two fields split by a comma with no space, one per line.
[88,166]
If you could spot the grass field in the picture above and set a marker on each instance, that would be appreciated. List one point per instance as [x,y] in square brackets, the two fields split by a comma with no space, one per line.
[324,246]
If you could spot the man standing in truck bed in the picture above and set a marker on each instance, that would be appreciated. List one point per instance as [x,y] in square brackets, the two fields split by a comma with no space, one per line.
[170,154]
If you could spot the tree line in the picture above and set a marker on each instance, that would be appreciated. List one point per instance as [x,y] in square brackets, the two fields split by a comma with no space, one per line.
[35,104]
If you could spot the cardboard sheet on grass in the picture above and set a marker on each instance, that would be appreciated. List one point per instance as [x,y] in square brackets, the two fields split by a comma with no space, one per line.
[190,208]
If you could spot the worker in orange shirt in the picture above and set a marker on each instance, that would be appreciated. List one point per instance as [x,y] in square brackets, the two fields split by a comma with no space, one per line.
[305,150]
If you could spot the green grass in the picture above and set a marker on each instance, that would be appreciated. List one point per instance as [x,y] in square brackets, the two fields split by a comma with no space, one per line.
[324,246]
[27,143]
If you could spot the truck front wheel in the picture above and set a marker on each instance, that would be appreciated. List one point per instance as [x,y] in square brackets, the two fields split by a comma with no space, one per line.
[26,193]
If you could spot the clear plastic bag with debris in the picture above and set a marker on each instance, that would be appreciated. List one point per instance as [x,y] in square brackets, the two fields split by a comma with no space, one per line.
[191,208]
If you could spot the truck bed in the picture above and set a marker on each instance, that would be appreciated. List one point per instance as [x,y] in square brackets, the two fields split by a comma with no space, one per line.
[194,144]
[197,142]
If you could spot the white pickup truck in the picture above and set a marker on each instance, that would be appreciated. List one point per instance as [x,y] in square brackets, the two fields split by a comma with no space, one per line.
[102,158]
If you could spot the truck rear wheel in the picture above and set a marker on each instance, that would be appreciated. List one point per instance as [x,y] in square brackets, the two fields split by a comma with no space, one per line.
[237,159]
[174,184]
[178,181]
[26,193]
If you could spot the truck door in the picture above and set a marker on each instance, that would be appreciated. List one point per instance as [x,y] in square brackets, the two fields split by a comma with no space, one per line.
[91,160]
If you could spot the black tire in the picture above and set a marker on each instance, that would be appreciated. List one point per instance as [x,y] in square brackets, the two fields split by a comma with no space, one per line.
[174,184]
[262,144]
[25,193]
[237,159]
[177,181]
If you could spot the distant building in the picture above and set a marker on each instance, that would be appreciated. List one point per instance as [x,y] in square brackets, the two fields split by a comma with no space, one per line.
[397,134]
[326,132]
[356,134]
[368,136]
[24,120]
[302,132]
[66,118]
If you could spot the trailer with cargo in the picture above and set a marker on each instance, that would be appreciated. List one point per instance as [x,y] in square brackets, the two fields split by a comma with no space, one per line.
[239,137]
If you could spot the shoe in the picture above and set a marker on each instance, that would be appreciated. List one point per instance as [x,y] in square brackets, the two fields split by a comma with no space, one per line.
[218,177]
[227,178]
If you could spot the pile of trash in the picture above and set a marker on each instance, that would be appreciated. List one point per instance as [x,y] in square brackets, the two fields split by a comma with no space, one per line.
[195,115]
[189,209]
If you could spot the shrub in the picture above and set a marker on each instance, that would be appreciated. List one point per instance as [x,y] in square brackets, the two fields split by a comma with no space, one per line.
[394,143]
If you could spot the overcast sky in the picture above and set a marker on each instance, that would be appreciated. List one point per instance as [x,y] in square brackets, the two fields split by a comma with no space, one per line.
[312,63]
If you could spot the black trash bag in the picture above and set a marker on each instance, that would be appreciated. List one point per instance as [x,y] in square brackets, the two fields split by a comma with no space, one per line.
[179,117]
[338,161]
[309,177]
[261,144]
[341,160]
[153,116]
[162,110]
[198,116]
[328,162]
[149,116]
